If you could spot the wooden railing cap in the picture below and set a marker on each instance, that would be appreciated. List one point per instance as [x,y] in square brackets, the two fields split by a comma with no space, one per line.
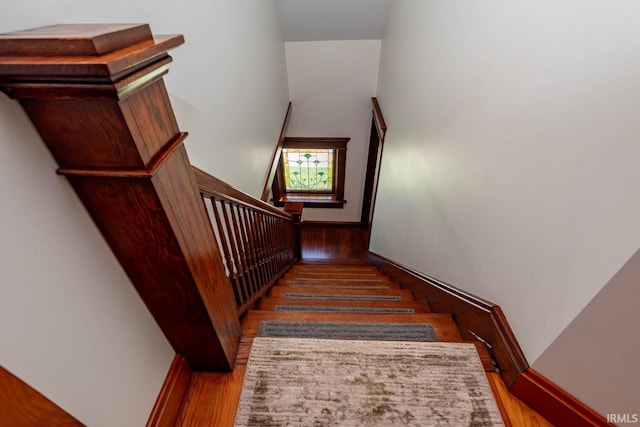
[73,39]
[101,52]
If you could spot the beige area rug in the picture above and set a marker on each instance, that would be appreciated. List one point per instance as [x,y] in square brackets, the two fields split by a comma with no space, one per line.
[321,382]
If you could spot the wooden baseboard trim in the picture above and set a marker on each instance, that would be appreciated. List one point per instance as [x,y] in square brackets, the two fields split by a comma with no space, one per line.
[478,319]
[23,406]
[330,224]
[553,403]
[167,408]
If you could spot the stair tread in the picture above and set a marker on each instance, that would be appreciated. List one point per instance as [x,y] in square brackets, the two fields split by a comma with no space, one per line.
[443,325]
[337,267]
[338,278]
[213,397]
[333,261]
[269,303]
[281,289]
[335,270]
[244,348]
[338,274]
[401,294]
[289,282]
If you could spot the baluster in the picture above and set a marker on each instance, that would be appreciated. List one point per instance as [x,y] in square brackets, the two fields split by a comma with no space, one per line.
[264,266]
[251,238]
[236,249]
[255,238]
[273,268]
[292,241]
[224,237]
[242,242]
[255,277]
[281,243]
[276,242]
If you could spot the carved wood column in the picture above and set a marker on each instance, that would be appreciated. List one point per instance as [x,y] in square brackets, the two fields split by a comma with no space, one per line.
[96,95]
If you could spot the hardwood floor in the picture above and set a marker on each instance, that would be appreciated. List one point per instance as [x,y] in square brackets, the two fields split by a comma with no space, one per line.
[213,397]
[321,242]
[514,412]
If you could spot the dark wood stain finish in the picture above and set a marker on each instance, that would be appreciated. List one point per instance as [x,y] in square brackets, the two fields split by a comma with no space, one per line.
[109,124]
[475,317]
[258,242]
[553,403]
[213,398]
[295,210]
[275,159]
[23,406]
[167,407]
[374,161]
[332,241]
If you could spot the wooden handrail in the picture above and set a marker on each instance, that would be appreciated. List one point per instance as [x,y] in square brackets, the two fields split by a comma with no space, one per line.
[381,125]
[258,242]
[275,159]
[212,186]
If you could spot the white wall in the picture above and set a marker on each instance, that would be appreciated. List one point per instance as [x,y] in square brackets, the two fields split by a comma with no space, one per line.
[606,330]
[331,84]
[71,325]
[510,163]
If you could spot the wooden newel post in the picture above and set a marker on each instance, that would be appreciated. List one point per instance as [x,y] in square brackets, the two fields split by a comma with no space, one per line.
[95,94]
[295,209]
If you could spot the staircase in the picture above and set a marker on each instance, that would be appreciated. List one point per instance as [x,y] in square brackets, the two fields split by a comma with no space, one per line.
[349,293]
[315,291]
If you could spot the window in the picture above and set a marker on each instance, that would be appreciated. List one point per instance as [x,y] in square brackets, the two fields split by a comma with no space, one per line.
[308,170]
[311,171]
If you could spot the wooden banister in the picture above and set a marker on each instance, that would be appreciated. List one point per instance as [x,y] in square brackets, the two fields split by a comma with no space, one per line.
[258,242]
[275,159]
[95,94]
[212,186]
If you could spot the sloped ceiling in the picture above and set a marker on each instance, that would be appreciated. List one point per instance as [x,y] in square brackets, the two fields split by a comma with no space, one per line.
[314,20]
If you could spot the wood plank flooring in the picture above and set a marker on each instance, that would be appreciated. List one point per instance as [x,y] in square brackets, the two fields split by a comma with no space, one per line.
[332,242]
[514,412]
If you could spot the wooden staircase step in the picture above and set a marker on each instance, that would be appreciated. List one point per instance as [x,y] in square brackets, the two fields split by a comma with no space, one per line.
[336,268]
[212,398]
[346,275]
[314,293]
[335,283]
[333,261]
[381,279]
[269,304]
[244,349]
[443,325]
[335,272]
[329,278]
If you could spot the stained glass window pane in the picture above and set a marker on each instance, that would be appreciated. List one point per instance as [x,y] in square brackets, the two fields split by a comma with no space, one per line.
[308,170]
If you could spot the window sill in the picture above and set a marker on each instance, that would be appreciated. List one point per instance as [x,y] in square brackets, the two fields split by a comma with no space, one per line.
[327,201]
